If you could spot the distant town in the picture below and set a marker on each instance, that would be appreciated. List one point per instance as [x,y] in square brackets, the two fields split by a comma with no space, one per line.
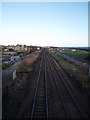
[14,53]
[21,65]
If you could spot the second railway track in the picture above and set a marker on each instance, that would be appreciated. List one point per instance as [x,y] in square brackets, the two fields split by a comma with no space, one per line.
[48,94]
[69,104]
[40,102]
[52,96]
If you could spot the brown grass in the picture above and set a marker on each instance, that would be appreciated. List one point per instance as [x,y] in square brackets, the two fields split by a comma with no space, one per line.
[24,66]
[74,71]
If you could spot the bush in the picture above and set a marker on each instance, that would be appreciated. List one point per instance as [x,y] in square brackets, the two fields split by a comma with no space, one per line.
[5,65]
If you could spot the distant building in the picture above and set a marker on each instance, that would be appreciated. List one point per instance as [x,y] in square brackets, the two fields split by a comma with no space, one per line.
[22,47]
[74,50]
[9,53]
[6,50]
[18,48]
[38,48]
[57,49]
[25,48]
[11,47]
[60,50]
[29,49]
[50,49]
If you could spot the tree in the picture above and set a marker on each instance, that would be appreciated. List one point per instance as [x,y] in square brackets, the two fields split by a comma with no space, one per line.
[10,49]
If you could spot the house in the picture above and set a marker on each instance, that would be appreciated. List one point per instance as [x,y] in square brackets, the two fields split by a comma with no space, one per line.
[6,50]
[25,48]
[38,48]
[73,50]
[22,47]
[18,48]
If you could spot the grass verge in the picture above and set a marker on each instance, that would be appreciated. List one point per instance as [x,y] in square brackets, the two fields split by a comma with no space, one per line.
[78,76]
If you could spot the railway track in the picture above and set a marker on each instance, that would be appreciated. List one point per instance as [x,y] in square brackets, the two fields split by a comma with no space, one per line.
[40,102]
[47,94]
[69,104]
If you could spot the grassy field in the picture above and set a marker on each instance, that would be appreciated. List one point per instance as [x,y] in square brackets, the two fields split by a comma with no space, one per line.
[77,75]
[81,54]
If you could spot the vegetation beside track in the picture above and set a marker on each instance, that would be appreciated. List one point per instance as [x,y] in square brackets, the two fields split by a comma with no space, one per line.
[79,54]
[5,65]
[78,76]
[76,54]
[16,91]
[24,66]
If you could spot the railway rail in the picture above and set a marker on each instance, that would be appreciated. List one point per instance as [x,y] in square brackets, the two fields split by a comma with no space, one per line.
[69,103]
[40,102]
[40,107]
[48,94]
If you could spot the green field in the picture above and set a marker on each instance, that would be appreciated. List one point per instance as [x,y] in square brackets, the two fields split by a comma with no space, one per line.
[81,54]
[76,74]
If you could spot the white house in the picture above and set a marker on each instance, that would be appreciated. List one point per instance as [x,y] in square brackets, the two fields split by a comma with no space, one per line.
[73,50]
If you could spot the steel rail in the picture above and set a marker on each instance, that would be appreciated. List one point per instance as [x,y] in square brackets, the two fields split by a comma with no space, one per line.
[36,61]
[57,88]
[67,88]
[33,107]
[46,86]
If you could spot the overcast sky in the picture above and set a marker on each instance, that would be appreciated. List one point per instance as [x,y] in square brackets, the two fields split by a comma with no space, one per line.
[45,24]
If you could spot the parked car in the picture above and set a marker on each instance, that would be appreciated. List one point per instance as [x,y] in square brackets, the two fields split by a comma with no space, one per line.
[15,58]
[12,62]
[22,57]
[8,61]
